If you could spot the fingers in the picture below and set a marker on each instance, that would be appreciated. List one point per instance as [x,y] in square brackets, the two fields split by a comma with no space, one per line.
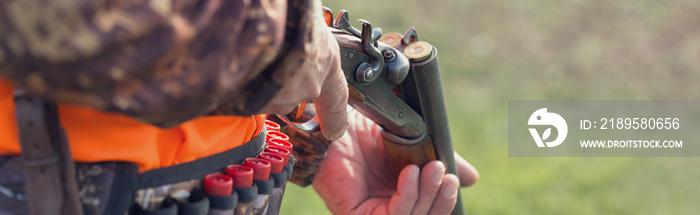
[468,175]
[404,199]
[446,199]
[331,108]
[426,191]
[320,78]
[430,180]
[331,105]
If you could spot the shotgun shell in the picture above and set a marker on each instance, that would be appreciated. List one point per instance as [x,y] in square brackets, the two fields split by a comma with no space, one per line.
[272,126]
[281,151]
[218,184]
[281,143]
[261,168]
[242,175]
[418,51]
[392,39]
[277,135]
[276,161]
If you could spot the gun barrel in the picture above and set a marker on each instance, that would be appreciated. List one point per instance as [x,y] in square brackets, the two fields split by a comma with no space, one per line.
[426,72]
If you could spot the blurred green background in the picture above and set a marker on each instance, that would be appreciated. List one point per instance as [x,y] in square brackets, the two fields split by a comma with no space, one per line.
[492,51]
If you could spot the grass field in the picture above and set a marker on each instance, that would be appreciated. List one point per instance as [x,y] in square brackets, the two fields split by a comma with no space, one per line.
[495,51]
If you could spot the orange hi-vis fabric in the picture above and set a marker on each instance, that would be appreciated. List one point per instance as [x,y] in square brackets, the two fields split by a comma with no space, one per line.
[96,136]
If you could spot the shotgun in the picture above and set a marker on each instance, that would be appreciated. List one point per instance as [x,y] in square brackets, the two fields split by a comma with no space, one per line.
[394,80]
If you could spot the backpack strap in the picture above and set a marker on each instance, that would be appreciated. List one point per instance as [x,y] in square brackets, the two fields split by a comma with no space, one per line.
[49,170]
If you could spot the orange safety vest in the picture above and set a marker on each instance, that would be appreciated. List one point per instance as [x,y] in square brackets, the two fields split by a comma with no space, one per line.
[96,136]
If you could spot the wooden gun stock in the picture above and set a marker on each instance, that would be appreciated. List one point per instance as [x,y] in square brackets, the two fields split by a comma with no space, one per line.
[399,155]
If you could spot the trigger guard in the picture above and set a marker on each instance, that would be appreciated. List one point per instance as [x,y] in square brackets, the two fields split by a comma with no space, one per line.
[313,125]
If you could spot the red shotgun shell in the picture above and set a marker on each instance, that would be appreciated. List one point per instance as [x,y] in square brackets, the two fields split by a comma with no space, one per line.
[242,175]
[218,184]
[276,135]
[261,168]
[281,143]
[272,126]
[281,151]
[276,161]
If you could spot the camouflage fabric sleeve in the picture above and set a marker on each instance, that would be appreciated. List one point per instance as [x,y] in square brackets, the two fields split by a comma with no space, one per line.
[160,61]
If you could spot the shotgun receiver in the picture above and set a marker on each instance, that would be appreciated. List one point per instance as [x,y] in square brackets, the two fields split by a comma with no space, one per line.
[394,80]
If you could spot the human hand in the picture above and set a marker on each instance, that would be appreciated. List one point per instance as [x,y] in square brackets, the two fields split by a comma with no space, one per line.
[354,177]
[320,78]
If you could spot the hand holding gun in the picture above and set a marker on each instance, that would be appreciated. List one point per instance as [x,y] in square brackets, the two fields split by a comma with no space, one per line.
[393,80]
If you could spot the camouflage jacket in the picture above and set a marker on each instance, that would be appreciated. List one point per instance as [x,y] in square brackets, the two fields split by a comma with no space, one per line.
[160,61]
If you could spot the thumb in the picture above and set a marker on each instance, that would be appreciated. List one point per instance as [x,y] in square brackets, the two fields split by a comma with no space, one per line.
[468,175]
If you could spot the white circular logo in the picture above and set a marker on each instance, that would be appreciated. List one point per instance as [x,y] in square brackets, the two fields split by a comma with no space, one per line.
[542,117]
